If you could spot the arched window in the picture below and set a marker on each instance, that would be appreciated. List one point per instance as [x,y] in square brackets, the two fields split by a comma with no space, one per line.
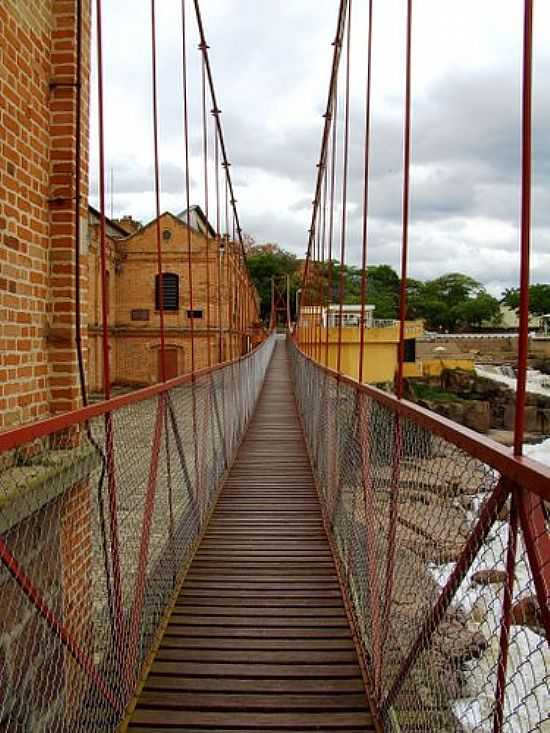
[170,291]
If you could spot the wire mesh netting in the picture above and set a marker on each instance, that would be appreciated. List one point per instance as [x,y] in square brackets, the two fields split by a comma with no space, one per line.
[97,523]
[435,563]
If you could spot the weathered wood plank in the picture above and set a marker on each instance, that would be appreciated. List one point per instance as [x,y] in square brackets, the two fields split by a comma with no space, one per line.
[258,639]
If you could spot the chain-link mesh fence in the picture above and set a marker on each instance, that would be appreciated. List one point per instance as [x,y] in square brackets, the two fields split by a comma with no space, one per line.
[97,523]
[432,545]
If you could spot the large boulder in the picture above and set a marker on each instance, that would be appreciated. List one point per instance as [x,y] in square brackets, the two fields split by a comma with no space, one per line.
[531,417]
[477,415]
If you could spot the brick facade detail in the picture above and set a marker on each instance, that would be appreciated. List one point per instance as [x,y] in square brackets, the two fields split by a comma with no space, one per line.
[38,373]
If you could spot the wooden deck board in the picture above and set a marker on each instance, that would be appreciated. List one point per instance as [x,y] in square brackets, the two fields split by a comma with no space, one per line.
[258,639]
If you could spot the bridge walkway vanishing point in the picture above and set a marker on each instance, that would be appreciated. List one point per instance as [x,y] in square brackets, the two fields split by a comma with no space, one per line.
[259,638]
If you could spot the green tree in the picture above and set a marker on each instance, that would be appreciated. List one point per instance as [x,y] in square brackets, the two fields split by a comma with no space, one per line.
[454,301]
[269,260]
[539,299]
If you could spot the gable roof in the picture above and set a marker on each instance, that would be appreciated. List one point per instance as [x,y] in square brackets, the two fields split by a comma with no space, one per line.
[120,231]
[197,214]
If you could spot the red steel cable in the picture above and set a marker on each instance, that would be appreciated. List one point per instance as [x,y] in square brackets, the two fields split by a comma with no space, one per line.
[398,431]
[365,198]
[187,180]
[157,191]
[217,176]
[109,438]
[523,339]
[85,662]
[337,44]
[506,619]
[334,155]
[77,202]
[344,194]
[405,212]
[206,211]
[102,228]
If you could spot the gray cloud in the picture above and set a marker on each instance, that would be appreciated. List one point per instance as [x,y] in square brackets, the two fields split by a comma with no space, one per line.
[271,65]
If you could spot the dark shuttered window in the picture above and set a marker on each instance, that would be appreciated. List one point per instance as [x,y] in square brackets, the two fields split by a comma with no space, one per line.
[170,291]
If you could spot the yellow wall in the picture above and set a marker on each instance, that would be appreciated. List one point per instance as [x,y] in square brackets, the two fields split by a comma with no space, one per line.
[434,367]
[380,350]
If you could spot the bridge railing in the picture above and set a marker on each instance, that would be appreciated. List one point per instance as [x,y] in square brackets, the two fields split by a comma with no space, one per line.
[100,512]
[442,542]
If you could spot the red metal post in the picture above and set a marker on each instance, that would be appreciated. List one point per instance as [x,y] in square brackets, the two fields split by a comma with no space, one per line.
[344,192]
[476,539]
[53,622]
[131,666]
[523,339]
[333,159]
[369,508]
[506,613]
[365,198]
[118,620]
[77,202]
[405,212]
[157,191]
[537,544]
[206,211]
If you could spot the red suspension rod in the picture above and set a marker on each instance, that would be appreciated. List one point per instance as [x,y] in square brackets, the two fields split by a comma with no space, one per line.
[365,198]
[523,340]
[157,191]
[405,212]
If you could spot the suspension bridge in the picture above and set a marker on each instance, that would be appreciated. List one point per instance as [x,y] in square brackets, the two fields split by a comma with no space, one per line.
[264,543]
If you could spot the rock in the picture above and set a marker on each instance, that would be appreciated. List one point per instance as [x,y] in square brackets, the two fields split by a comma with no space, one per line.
[477,415]
[531,417]
[479,611]
[458,643]
[527,613]
[545,420]
[486,577]
[459,381]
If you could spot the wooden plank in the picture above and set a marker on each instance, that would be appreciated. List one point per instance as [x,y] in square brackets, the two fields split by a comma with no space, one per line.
[258,639]
[255,685]
[270,656]
[265,621]
[266,612]
[186,642]
[234,669]
[177,700]
[290,721]
[259,632]
[226,600]
[261,595]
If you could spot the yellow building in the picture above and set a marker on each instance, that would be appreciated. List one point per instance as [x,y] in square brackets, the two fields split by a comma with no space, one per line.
[318,335]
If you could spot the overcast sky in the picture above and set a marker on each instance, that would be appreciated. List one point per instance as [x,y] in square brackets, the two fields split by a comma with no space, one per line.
[271,63]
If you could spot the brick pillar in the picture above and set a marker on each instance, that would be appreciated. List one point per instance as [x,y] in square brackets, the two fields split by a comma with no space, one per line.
[63,365]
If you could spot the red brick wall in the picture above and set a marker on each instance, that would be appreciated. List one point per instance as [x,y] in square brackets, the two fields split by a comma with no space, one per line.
[37,119]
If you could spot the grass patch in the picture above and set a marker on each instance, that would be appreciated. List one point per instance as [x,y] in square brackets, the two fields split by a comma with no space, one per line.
[432,394]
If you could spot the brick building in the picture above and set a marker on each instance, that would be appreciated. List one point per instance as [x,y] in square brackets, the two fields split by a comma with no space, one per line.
[39,374]
[38,117]
[224,313]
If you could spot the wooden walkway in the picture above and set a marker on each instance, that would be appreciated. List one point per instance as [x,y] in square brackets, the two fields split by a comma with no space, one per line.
[259,639]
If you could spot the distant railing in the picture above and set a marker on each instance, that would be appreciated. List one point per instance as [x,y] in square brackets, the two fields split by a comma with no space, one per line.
[100,512]
[443,550]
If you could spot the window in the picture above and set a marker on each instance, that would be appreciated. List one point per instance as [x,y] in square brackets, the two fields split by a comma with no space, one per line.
[410,350]
[170,291]
[194,314]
